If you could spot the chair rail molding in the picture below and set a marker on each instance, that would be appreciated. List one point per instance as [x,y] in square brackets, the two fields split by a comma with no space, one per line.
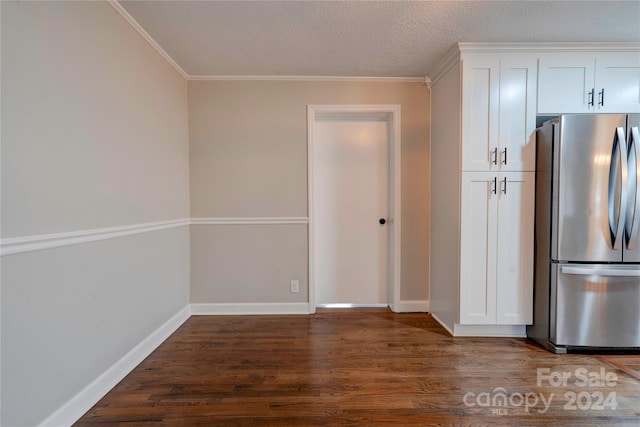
[17,245]
[249,221]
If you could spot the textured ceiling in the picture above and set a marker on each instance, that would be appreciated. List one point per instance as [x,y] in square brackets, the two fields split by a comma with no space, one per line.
[363,38]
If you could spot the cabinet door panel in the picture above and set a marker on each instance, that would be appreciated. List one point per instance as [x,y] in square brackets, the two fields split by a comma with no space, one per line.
[480,80]
[618,74]
[514,287]
[517,113]
[478,249]
[564,83]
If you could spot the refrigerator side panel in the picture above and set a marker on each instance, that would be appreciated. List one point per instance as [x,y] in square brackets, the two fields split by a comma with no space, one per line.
[632,231]
[585,232]
[539,330]
[597,305]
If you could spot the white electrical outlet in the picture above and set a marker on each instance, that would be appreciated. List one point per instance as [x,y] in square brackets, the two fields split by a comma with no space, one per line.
[295,286]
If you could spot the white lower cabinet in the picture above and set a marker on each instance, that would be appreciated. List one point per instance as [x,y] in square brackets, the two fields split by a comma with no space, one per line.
[496,253]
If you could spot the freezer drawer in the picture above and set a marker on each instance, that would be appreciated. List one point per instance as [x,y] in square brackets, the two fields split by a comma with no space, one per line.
[595,305]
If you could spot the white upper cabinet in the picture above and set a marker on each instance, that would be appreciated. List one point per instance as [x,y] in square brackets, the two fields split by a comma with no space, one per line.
[480,95]
[587,82]
[517,105]
[617,83]
[498,112]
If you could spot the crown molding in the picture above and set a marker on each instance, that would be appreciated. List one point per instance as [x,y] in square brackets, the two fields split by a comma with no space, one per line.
[549,47]
[446,63]
[454,55]
[309,78]
[136,26]
[131,20]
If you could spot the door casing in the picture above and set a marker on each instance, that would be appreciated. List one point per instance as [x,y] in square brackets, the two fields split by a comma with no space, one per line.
[391,114]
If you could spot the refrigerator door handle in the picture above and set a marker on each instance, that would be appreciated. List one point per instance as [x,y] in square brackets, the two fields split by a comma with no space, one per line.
[618,160]
[609,272]
[633,208]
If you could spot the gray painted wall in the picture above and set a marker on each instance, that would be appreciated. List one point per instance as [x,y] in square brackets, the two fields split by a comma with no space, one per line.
[94,134]
[248,158]
[248,263]
[445,191]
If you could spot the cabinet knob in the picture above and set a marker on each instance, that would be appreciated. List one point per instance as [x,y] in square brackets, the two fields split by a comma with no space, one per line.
[382,221]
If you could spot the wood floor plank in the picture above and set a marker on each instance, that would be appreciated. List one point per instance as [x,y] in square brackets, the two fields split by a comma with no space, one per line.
[357,367]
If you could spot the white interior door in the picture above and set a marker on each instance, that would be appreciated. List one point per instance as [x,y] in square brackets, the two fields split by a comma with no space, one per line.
[351,195]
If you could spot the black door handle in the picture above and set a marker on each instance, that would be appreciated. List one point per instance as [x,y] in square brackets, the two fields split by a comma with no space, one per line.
[383,221]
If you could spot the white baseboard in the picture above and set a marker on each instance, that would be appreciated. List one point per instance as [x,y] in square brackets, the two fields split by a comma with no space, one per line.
[518,331]
[250,308]
[78,405]
[413,306]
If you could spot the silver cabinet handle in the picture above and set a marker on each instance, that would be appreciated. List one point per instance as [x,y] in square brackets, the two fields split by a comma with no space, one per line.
[591,271]
[618,161]
[601,98]
[504,185]
[494,153]
[504,156]
[494,185]
[633,207]
[591,93]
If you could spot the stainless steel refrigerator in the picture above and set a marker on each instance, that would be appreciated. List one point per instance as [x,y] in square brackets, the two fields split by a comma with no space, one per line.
[587,254]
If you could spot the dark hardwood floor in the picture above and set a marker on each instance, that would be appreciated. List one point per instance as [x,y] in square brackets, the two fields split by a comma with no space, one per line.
[362,367]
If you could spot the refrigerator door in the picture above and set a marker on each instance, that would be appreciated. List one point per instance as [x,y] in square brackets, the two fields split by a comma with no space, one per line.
[596,305]
[590,180]
[632,234]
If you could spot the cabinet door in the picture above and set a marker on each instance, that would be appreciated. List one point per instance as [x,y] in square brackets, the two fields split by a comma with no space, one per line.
[617,84]
[514,289]
[480,80]
[565,81]
[478,237]
[517,126]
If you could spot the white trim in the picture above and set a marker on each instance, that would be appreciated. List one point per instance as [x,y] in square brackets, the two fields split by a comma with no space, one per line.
[392,114]
[518,331]
[73,409]
[1,218]
[549,47]
[249,308]
[249,221]
[310,78]
[453,55]
[136,26]
[17,245]
[442,68]
[413,306]
[349,305]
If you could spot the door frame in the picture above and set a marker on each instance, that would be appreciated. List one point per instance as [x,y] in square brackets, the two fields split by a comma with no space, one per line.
[390,114]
